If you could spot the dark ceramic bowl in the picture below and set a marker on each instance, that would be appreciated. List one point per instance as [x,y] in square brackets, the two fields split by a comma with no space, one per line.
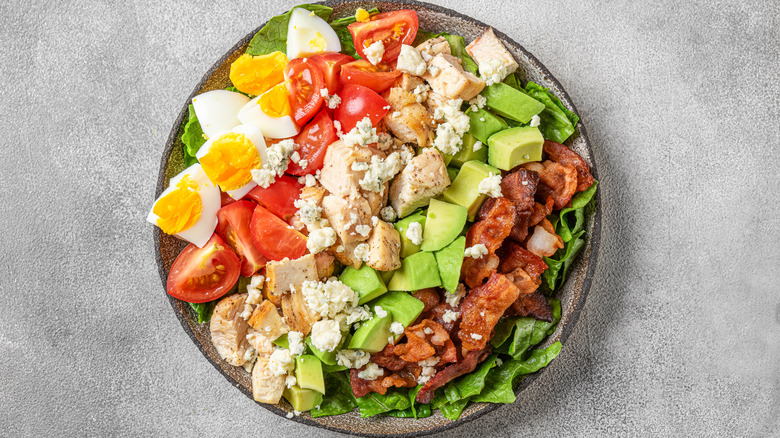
[435,19]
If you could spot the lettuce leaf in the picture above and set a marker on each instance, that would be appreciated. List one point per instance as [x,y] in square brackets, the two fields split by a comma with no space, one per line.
[415,410]
[192,138]
[204,310]
[516,335]
[338,398]
[558,264]
[374,403]
[557,122]
[273,36]
[458,47]
[340,26]
[499,387]
[454,409]
[572,219]
[422,36]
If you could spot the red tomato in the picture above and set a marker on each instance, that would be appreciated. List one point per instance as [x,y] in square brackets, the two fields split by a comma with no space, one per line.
[376,77]
[392,28]
[233,228]
[279,197]
[358,102]
[330,67]
[204,274]
[313,142]
[225,199]
[274,237]
[304,82]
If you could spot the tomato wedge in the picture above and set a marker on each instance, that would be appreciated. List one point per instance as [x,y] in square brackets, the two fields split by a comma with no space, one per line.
[313,141]
[392,28]
[279,197]
[304,82]
[233,227]
[330,67]
[225,199]
[358,102]
[378,77]
[274,237]
[203,274]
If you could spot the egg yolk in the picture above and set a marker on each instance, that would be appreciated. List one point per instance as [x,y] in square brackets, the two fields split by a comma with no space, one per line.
[257,74]
[179,209]
[318,43]
[276,102]
[230,160]
[362,15]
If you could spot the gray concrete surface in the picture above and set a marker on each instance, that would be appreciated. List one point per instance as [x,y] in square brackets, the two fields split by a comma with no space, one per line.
[680,335]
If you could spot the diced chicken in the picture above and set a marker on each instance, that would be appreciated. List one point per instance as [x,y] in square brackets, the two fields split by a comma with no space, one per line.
[384,247]
[314,193]
[282,276]
[376,200]
[262,345]
[266,320]
[345,215]
[422,179]
[432,47]
[347,256]
[228,329]
[296,313]
[266,387]
[325,265]
[412,124]
[488,47]
[337,175]
[447,77]
[434,101]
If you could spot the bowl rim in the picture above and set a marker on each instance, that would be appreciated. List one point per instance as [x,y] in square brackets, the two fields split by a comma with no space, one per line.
[566,330]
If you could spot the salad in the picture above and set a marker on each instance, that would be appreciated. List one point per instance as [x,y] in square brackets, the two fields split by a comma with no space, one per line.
[378,216]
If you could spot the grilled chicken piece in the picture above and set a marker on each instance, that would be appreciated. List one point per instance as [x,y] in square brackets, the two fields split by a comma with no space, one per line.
[422,179]
[347,256]
[433,47]
[281,276]
[296,313]
[325,265]
[337,175]
[345,215]
[411,124]
[384,247]
[267,322]
[228,329]
[376,200]
[266,387]
[447,77]
[488,47]
[434,101]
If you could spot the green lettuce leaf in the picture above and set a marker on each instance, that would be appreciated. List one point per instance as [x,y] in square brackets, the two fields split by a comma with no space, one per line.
[557,122]
[236,90]
[204,310]
[454,409]
[192,138]
[273,36]
[340,26]
[499,387]
[513,81]
[338,398]
[516,335]
[458,47]
[415,410]
[374,403]
[558,264]
[572,219]
[424,35]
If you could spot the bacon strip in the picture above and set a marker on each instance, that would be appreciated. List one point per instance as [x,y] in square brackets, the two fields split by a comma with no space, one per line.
[555,180]
[522,267]
[533,305]
[563,155]
[482,308]
[494,226]
[361,387]
[453,371]
[424,340]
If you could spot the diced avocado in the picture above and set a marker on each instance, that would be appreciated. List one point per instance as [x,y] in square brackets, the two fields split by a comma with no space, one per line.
[482,129]
[511,103]
[450,260]
[445,221]
[515,146]
[332,368]
[467,152]
[387,275]
[465,189]
[452,172]
[402,306]
[366,281]
[407,247]
[326,357]
[282,341]
[372,334]
[308,373]
[302,399]
[418,271]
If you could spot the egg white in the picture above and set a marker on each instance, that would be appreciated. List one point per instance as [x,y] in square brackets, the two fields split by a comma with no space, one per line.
[256,137]
[303,28]
[217,110]
[271,127]
[200,232]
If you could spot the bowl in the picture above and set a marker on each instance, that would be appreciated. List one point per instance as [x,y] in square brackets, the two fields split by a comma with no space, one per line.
[432,18]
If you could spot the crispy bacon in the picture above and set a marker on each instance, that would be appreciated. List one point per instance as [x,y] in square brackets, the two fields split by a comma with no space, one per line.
[533,305]
[541,211]
[563,155]
[520,188]
[386,359]
[437,314]
[482,308]
[522,267]
[430,298]
[401,379]
[555,180]
[453,371]
[424,340]
[494,226]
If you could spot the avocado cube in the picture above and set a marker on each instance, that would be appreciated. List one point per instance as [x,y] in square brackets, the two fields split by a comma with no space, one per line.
[282,341]
[484,124]
[407,247]
[308,373]
[465,189]
[511,103]
[302,399]
[326,357]
[467,152]
[372,334]
[387,275]
[450,261]
[515,146]
[418,271]
[366,281]
[445,221]
[403,307]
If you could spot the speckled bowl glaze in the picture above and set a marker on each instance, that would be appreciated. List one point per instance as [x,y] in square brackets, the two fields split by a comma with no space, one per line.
[435,19]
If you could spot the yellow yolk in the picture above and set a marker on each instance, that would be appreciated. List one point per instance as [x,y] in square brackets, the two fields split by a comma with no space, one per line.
[276,102]
[230,160]
[318,43]
[179,209]
[257,74]
[362,15]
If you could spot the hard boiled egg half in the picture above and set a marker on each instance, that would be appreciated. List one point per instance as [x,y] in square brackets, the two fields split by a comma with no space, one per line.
[309,34]
[228,159]
[217,110]
[271,112]
[188,207]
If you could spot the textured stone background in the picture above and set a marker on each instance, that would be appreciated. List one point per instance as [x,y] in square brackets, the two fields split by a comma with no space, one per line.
[680,334]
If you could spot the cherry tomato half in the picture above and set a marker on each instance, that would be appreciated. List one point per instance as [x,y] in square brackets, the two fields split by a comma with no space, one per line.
[378,77]
[330,67]
[279,197]
[274,237]
[233,227]
[304,82]
[313,142]
[392,28]
[358,102]
[204,274]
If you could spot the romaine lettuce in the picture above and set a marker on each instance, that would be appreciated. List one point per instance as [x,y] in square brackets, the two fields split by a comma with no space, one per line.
[338,398]
[557,122]
[192,138]
[204,310]
[458,48]
[374,403]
